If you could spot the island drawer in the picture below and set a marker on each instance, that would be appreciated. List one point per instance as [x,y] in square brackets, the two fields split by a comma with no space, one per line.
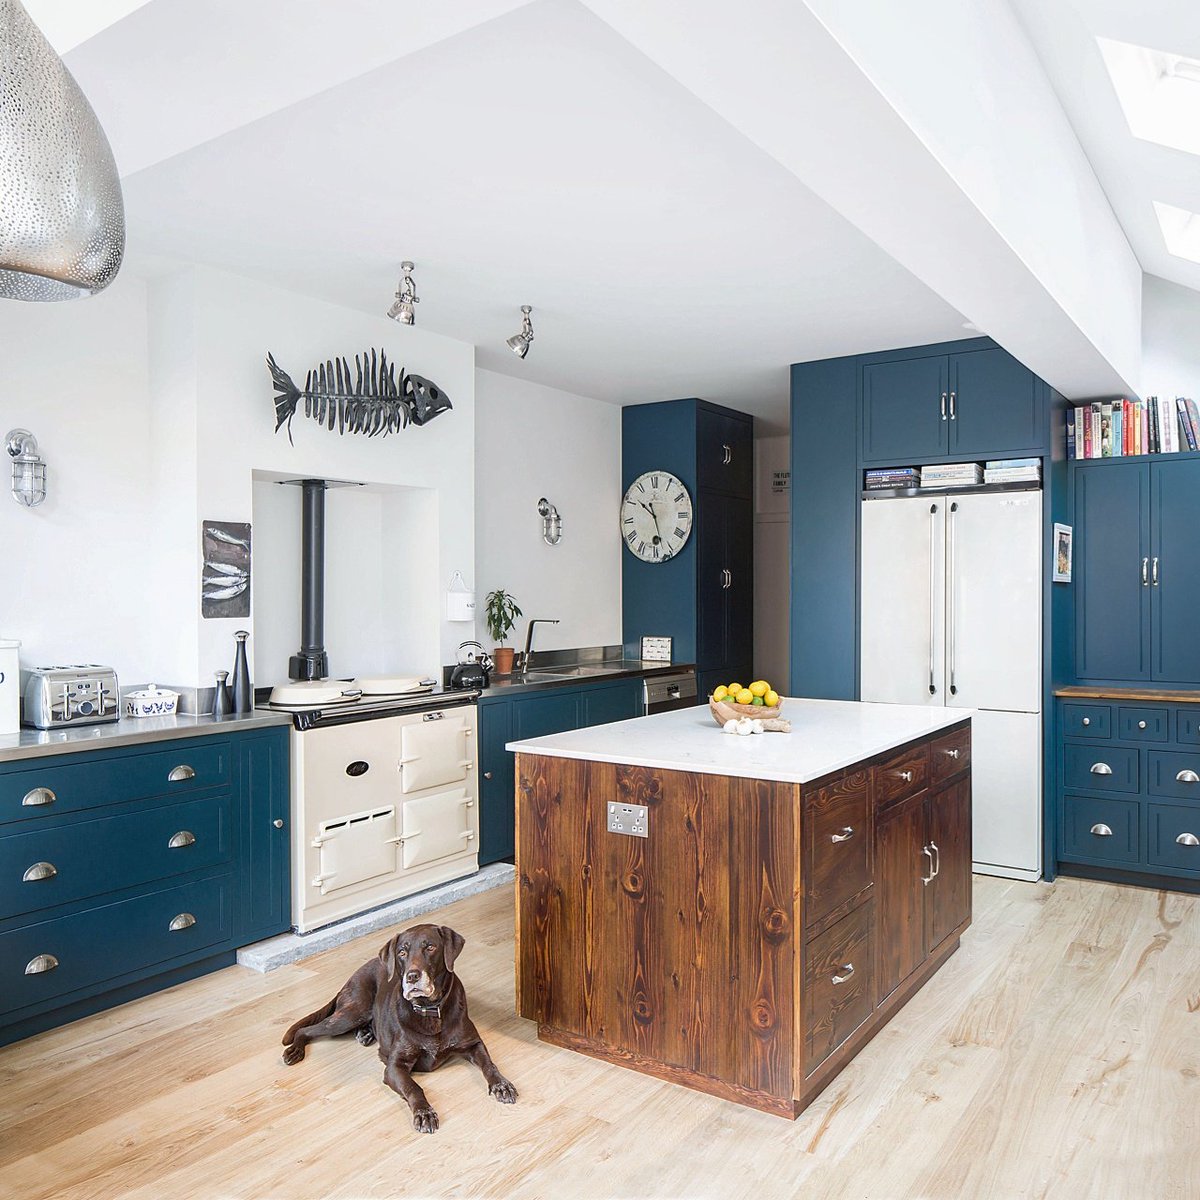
[1105,828]
[1087,720]
[839,984]
[950,754]
[1100,768]
[904,774]
[839,858]
[1174,773]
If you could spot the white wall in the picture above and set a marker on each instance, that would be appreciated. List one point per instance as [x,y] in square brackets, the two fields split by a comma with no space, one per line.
[78,580]
[534,441]
[772,556]
[1170,339]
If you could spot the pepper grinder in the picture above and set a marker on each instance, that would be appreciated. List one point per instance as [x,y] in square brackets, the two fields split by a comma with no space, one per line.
[222,700]
[243,697]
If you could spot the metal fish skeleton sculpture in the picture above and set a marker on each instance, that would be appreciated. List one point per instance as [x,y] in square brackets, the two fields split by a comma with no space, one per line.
[376,402]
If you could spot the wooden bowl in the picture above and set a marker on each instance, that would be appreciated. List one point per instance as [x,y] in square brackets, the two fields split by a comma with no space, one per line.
[724,710]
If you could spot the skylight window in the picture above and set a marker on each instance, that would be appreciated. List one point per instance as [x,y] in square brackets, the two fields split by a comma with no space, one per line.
[1180,230]
[1160,93]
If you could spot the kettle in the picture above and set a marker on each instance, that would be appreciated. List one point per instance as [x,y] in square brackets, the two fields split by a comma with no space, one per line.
[472,668]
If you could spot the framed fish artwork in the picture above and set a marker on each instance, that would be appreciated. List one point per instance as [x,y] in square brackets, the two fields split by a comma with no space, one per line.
[225,576]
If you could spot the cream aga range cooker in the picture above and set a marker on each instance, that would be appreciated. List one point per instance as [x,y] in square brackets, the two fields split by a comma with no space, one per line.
[384,793]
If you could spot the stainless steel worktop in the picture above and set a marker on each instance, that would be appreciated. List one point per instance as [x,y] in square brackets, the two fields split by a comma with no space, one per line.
[130,731]
[544,675]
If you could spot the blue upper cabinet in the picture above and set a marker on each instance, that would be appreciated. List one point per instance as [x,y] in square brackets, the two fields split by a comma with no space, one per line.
[905,409]
[1175,571]
[724,452]
[978,402]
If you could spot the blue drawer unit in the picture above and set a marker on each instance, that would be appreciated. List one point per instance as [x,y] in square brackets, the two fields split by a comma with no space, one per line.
[1102,828]
[128,869]
[1087,720]
[1174,773]
[1101,768]
[1173,836]
[1143,724]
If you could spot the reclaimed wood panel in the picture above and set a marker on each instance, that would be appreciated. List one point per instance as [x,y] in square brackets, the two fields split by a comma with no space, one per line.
[839,845]
[839,983]
[899,839]
[902,775]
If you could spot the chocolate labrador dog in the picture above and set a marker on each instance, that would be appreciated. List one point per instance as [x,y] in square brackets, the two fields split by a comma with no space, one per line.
[411,1002]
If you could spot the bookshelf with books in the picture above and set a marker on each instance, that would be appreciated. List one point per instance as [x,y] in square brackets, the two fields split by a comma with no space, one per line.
[1123,428]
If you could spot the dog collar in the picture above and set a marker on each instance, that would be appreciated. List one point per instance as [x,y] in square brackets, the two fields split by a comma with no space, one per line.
[424,1007]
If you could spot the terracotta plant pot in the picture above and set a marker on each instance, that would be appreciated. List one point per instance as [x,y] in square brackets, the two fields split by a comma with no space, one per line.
[502,660]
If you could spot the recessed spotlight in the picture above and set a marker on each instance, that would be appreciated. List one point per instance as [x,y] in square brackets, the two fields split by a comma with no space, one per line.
[406,296]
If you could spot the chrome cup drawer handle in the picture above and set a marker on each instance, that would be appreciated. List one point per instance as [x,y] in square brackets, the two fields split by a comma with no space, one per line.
[1188,839]
[180,773]
[846,970]
[184,837]
[1101,830]
[40,964]
[182,921]
[39,870]
[1101,769]
[1187,777]
[38,796]
[843,835]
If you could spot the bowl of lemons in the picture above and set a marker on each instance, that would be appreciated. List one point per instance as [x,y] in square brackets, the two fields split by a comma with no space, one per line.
[758,699]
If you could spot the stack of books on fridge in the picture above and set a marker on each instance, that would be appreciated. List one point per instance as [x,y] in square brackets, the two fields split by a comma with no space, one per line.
[1012,470]
[892,477]
[949,475]
[1113,428]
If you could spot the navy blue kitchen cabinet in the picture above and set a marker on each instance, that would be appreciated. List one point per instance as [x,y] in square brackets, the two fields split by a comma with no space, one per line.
[126,870]
[503,719]
[703,599]
[1111,572]
[976,403]
[1137,570]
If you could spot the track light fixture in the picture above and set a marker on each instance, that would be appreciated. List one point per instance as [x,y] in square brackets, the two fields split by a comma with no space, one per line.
[406,296]
[519,342]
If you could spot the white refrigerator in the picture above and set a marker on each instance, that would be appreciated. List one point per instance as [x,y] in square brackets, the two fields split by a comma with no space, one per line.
[951,615]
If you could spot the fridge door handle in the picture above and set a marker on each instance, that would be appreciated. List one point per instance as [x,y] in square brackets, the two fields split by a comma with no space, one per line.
[1145,572]
[950,581]
[932,585]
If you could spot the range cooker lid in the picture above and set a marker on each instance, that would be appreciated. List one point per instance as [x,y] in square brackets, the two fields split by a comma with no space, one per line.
[311,692]
[391,685]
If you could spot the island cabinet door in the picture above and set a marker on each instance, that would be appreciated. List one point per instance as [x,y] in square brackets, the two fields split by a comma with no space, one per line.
[948,893]
[900,862]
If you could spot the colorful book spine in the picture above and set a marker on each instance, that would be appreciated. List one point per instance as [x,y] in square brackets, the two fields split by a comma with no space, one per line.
[1144,428]
[1194,416]
[1085,419]
[1185,423]
[1152,404]
[1118,429]
[1126,426]
[1097,452]
[1071,433]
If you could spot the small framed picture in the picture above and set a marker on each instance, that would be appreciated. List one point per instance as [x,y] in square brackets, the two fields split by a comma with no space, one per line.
[1062,553]
[656,649]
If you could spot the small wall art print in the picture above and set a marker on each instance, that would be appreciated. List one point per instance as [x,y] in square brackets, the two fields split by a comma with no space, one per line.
[1062,553]
[225,579]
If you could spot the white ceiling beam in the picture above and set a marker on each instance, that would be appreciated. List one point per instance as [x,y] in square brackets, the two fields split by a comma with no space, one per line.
[931,128]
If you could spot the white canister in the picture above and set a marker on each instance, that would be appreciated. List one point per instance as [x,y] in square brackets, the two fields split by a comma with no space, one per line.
[10,687]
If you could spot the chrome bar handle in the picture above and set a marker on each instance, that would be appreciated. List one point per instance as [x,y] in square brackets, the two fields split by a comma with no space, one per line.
[846,833]
[929,855]
[846,970]
[943,406]
[937,859]
[952,615]
[953,414]
[1154,572]
[728,453]
[1145,572]
[932,585]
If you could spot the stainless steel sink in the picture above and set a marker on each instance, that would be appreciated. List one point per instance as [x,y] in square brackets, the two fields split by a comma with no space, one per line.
[569,672]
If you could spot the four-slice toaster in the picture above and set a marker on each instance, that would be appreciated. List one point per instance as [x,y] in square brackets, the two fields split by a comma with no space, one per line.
[83,694]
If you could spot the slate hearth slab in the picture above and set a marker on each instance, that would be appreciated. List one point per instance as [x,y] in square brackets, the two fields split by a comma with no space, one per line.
[291,947]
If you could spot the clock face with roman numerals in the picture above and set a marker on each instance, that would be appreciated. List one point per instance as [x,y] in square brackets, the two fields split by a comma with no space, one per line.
[656,517]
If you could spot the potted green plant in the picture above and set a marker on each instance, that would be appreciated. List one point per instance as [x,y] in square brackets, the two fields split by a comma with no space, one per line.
[500,611]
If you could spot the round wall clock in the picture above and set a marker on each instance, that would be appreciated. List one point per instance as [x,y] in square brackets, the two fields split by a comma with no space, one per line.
[656,516]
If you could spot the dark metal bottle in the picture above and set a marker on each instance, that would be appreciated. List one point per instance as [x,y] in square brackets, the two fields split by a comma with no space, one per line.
[243,694]
[222,700]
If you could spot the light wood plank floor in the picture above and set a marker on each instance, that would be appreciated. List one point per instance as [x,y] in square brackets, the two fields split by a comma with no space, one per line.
[1057,1054]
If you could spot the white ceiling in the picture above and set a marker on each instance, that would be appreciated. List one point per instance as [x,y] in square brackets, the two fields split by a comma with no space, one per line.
[1133,173]
[536,158]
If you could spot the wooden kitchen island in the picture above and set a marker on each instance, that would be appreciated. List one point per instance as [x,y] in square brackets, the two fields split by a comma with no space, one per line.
[791,892]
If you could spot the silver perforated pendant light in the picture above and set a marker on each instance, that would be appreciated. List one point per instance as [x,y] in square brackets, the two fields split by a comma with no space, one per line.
[62,219]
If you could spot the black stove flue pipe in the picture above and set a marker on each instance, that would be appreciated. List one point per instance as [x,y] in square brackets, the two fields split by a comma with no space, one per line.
[312,662]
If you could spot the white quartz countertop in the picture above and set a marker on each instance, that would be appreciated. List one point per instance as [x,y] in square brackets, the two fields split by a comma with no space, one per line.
[826,736]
